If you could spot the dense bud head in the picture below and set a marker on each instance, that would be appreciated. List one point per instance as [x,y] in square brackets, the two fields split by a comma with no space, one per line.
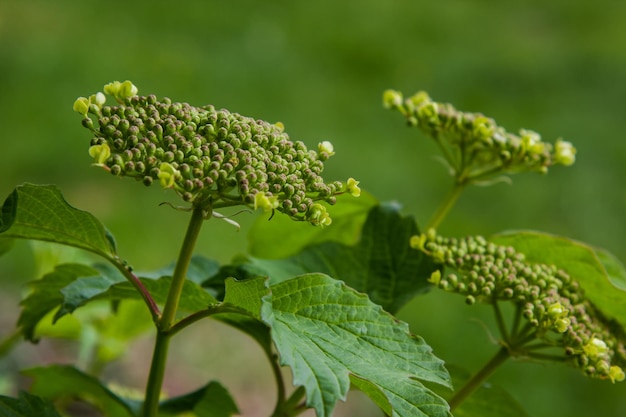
[476,148]
[547,297]
[211,158]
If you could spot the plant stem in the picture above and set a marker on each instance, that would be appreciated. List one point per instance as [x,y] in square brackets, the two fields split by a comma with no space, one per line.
[476,381]
[180,272]
[445,207]
[145,294]
[159,356]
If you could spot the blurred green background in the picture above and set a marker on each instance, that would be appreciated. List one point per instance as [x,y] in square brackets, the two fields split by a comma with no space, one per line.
[320,67]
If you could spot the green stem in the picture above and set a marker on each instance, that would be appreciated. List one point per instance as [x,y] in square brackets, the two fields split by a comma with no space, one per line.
[159,356]
[280,383]
[180,272]
[445,207]
[135,282]
[477,380]
[500,321]
[157,373]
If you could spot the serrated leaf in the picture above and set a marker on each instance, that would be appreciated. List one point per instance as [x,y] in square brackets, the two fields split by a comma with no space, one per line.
[381,264]
[26,405]
[326,331]
[247,295]
[40,212]
[581,262]
[281,237]
[373,392]
[59,381]
[46,295]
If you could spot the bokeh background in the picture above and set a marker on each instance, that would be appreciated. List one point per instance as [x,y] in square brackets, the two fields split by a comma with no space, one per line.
[320,67]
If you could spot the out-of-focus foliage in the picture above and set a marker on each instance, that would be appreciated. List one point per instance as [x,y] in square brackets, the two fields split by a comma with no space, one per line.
[320,68]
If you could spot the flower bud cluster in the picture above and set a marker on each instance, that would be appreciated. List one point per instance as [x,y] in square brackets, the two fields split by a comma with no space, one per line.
[475,145]
[551,302]
[211,158]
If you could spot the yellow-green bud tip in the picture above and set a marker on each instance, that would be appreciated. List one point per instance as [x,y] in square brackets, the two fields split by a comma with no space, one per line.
[81,105]
[392,99]
[100,153]
[264,202]
[167,175]
[435,277]
[352,187]
[418,241]
[318,216]
[121,90]
[564,153]
[616,374]
[326,147]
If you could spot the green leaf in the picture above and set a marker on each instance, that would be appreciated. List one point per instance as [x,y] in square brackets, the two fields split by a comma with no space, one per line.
[46,295]
[59,381]
[200,269]
[26,405]
[40,212]
[582,262]
[83,290]
[281,237]
[325,332]
[615,269]
[212,400]
[373,392]
[5,245]
[193,297]
[381,264]
[246,294]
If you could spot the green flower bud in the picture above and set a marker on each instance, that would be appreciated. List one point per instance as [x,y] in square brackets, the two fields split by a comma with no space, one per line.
[531,142]
[318,216]
[97,99]
[435,277]
[100,153]
[595,348]
[264,202]
[352,187]
[564,153]
[167,175]
[392,99]
[561,325]
[326,147]
[616,374]
[81,105]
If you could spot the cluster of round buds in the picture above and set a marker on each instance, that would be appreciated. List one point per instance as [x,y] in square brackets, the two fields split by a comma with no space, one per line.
[474,145]
[211,158]
[552,303]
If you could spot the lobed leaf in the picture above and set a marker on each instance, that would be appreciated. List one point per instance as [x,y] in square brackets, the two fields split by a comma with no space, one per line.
[46,295]
[326,331]
[62,381]
[26,405]
[40,212]
[381,264]
[587,265]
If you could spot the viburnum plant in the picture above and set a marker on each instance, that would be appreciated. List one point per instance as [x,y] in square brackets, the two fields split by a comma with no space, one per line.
[319,300]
